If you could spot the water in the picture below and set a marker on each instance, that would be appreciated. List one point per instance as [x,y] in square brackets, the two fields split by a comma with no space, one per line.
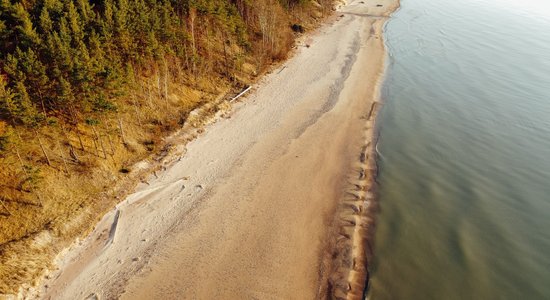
[465,152]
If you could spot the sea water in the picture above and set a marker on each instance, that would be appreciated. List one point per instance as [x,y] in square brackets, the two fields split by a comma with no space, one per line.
[464,152]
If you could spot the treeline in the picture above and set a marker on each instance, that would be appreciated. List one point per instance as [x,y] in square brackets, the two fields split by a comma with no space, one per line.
[66,58]
[68,65]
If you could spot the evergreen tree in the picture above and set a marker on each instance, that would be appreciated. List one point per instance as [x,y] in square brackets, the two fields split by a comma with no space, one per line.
[45,21]
[25,33]
[55,52]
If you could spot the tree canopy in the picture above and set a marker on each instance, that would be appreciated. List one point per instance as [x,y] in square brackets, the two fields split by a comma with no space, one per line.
[67,57]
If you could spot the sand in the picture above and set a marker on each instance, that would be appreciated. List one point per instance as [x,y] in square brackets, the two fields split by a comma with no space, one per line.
[261,200]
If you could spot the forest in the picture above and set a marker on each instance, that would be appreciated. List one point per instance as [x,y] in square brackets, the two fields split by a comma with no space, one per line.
[90,87]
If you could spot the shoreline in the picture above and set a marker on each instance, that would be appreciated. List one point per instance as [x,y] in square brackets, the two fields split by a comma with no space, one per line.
[143,265]
[353,229]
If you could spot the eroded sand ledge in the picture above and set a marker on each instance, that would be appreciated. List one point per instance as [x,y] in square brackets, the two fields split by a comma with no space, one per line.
[272,203]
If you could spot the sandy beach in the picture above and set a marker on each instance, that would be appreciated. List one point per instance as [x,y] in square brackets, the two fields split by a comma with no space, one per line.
[271,202]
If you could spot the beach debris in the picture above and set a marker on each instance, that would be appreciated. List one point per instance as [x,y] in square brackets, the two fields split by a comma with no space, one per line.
[298,28]
[240,94]
[112,231]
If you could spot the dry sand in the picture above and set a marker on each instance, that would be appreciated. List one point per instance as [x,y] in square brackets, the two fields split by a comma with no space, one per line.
[257,204]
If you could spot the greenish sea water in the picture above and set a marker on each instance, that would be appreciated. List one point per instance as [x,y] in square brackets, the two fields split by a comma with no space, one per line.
[464,152]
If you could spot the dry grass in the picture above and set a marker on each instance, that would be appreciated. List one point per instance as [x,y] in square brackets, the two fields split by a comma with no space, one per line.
[70,195]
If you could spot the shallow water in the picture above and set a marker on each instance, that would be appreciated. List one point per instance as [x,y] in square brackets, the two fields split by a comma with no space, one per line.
[465,152]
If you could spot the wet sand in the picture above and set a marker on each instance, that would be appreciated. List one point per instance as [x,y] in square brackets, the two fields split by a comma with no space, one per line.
[259,202]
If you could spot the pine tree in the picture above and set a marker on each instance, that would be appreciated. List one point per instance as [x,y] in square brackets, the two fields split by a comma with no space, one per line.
[8,106]
[36,80]
[86,11]
[24,111]
[25,33]
[45,21]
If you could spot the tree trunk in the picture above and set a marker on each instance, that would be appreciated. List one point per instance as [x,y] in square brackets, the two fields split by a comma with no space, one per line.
[63,157]
[40,200]
[121,130]
[43,105]
[27,173]
[79,139]
[4,205]
[150,96]
[224,41]
[100,141]
[94,139]
[136,108]
[165,81]
[158,84]
[75,121]
[21,162]
[43,149]
[111,143]
[106,126]
[192,16]
[72,153]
